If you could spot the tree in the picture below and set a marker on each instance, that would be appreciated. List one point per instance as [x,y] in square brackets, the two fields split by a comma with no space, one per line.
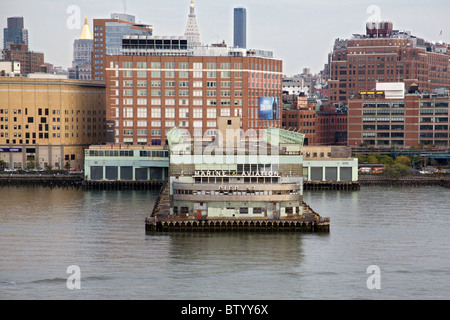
[386,160]
[372,159]
[396,170]
[32,164]
[2,164]
[67,166]
[362,158]
[403,160]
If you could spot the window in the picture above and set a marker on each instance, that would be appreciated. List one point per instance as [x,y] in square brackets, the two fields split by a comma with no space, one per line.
[141,74]
[156,74]
[198,113]
[170,113]
[225,112]
[156,113]
[184,113]
[156,132]
[183,65]
[170,124]
[156,102]
[142,132]
[127,64]
[211,113]
[142,93]
[128,132]
[128,112]
[142,112]
[141,65]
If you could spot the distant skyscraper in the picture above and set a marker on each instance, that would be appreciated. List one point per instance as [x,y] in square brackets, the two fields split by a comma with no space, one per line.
[82,51]
[14,33]
[240,27]
[192,34]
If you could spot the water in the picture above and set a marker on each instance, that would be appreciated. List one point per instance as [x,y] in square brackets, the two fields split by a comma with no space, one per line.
[404,231]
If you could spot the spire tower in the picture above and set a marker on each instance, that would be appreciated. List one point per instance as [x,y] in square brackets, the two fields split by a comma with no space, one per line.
[192,34]
[86,31]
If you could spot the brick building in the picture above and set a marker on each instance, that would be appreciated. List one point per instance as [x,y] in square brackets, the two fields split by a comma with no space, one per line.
[49,120]
[417,118]
[30,62]
[149,94]
[108,35]
[320,124]
[385,55]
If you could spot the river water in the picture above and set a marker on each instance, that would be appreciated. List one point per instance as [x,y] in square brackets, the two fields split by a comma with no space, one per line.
[404,231]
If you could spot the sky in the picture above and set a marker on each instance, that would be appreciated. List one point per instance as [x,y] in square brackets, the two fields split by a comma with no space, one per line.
[299,32]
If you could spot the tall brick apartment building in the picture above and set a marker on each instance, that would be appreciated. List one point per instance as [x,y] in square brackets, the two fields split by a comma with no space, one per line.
[166,85]
[385,55]
[108,35]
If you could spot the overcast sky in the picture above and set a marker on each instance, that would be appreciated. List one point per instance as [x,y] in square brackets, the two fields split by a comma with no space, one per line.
[299,32]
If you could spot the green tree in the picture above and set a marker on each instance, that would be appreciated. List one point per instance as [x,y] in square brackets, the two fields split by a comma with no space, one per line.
[362,158]
[403,160]
[372,159]
[396,170]
[32,164]
[386,160]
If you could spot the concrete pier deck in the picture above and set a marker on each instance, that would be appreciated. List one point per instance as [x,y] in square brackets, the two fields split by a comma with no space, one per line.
[160,220]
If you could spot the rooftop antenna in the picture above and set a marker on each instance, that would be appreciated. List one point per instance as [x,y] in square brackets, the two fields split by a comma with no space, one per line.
[124,6]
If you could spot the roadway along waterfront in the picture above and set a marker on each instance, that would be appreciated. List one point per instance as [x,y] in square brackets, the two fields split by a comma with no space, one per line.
[401,230]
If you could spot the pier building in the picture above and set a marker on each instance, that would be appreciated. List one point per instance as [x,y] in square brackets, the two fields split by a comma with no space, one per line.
[126,163]
[237,175]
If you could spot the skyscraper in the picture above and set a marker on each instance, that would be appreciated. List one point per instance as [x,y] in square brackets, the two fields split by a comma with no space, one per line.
[82,51]
[192,34]
[240,27]
[14,33]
